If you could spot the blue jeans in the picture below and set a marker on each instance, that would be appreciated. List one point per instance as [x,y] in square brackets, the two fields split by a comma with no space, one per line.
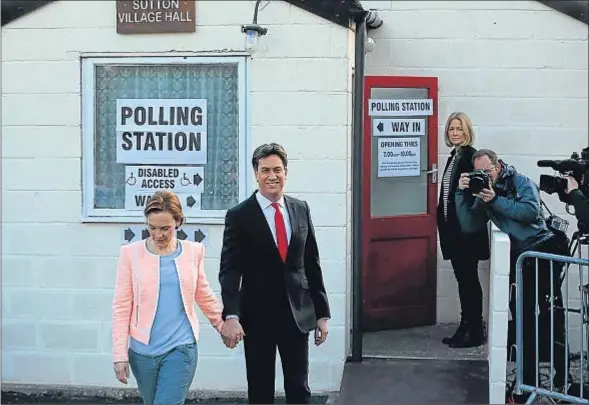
[165,379]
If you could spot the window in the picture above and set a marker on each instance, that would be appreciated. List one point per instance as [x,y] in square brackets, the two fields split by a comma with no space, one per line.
[218,84]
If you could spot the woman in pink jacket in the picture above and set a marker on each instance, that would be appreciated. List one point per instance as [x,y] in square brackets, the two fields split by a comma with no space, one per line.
[155,329]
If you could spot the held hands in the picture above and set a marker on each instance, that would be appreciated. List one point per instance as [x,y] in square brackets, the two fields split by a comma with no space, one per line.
[232,333]
[122,371]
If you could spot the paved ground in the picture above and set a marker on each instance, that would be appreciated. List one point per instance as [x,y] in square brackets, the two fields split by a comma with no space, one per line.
[378,381]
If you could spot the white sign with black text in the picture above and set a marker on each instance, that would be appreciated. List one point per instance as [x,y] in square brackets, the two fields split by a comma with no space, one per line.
[400,108]
[399,157]
[398,126]
[136,201]
[193,233]
[179,179]
[161,131]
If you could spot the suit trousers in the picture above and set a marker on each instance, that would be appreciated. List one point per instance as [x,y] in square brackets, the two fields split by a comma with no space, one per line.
[260,346]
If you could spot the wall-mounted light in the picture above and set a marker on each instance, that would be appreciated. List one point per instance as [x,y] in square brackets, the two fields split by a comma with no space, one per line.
[369,46]
[253,31]
[252,35]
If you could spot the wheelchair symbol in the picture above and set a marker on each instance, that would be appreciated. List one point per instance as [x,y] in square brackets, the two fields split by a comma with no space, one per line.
[185,181]
[132,180]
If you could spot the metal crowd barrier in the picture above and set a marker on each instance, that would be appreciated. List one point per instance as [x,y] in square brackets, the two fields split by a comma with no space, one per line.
[565,393]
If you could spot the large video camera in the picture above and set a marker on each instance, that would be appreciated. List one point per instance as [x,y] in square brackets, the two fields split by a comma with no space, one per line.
[576,167]
[479,180]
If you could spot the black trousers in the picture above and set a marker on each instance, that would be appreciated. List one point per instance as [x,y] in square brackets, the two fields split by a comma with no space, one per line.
[469,288]
[546,301]
[260,358]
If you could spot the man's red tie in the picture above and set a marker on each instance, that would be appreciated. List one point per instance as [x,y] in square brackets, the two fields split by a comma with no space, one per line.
[281,240]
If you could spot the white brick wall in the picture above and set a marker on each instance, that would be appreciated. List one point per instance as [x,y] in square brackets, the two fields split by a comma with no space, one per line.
[517,68]
[58,273]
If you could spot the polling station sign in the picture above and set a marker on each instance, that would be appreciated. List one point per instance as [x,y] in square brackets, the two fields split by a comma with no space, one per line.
[161,131]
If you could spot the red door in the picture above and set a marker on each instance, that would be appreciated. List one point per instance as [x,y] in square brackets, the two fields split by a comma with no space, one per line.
[399,202]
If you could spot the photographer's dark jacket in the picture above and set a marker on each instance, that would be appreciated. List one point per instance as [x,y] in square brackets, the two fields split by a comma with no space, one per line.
[516,210]
[453,241]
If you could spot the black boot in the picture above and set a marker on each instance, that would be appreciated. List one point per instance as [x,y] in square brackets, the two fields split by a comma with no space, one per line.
[473,338]
[458,335]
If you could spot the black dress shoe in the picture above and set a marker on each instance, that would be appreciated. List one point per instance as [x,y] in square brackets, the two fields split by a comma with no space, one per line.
[459,335]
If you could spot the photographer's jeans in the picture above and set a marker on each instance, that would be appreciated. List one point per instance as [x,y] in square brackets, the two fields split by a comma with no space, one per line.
[165,379]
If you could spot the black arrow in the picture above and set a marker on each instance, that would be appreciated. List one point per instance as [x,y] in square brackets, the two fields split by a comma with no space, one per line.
[190,201]
[144,233]
[199,236]
[197,179]
[181,234]
[380,126]
[129,235]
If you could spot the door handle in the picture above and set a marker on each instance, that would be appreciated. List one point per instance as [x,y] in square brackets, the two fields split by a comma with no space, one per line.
[434,173]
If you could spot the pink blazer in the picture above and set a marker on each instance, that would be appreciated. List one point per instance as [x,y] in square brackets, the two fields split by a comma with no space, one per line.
[137,290]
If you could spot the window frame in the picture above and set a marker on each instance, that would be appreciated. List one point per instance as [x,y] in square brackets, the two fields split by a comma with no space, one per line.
[88,127]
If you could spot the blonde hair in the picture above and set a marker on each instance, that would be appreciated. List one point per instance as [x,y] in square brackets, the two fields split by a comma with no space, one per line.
[165,201]
[466,127]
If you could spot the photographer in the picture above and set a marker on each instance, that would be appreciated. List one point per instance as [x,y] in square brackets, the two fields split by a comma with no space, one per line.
[577,198]
[512,202]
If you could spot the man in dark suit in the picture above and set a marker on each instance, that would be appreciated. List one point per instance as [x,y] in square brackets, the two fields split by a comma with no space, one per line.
[271,282]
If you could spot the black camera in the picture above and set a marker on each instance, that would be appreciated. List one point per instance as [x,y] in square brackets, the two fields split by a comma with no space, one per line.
[576,166]
[479,180]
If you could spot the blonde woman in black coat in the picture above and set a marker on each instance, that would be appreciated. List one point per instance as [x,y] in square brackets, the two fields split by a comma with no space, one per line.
[463,250]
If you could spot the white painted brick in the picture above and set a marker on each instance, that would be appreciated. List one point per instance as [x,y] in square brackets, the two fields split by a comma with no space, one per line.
[105,338]
[39,368]
[41,109]
[17,271]
[332,243]
[289,108]
[82,239]
[337,305]
[335,276]
[92,305]
[69,337]
[303,176]
[300,75]
[498,328]
[41,142]
[448,310]
[298,41]
[500,293]
[496,393]
[465,54]
[75,272]
[94,370]
[521,112]
[515,83]
[78,15]
[496,372]
[33,206]
[41,77]
[42,174]
[480,24]
[457,5]
[70,43]
[326,209]
[328,142]
[212,271]
[36,304]
[18,335]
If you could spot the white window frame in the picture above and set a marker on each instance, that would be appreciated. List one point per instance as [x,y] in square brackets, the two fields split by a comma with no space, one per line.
[91,214]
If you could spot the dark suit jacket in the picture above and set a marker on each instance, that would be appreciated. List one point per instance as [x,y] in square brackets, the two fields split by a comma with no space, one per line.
[453,242]
[250,257]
